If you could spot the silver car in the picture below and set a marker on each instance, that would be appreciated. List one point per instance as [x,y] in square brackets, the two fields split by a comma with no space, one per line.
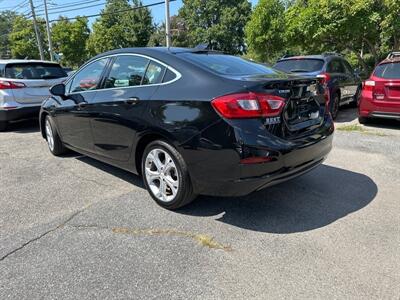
[24,85]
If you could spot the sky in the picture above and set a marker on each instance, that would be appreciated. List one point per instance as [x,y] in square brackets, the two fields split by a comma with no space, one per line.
[92,7]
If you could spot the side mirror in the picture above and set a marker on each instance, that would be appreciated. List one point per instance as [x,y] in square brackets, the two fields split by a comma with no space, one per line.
[58,90]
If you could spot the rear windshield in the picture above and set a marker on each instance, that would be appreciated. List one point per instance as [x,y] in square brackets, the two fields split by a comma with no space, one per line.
[34,71]
[388,71]
[300,65]
[227,64]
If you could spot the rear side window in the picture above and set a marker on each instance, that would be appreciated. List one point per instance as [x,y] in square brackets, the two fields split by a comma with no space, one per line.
[154,73]
[335,66]
[126,71]
[388,71]
[227,64]
[300,65]
[169,76]
[34,71]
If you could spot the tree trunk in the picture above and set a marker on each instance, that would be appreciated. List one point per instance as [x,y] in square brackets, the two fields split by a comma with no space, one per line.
[373,50]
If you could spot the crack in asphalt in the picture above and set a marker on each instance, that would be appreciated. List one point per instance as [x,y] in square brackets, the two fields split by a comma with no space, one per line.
[202,239]
[43,234]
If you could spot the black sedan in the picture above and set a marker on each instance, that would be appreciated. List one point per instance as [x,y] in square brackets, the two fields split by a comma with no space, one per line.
[191,122]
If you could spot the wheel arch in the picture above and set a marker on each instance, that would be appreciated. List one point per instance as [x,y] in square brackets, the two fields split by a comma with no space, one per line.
[142,144]
[42,119]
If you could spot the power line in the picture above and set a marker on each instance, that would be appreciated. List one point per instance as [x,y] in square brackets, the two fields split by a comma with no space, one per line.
[114,12]
[72,4]
[73,9]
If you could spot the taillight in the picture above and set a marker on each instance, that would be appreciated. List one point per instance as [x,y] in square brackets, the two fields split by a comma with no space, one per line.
[378,90]
[10,85]
[248,105]
[324,78]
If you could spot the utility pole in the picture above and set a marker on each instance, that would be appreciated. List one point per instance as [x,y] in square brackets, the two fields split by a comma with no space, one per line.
[167,24]
[48,31]
[39,41]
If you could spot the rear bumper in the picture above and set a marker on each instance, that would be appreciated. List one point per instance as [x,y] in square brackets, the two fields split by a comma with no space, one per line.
[19,113]
[371,108]
[221,173]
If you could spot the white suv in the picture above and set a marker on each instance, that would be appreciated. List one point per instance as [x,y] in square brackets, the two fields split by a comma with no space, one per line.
[24,85]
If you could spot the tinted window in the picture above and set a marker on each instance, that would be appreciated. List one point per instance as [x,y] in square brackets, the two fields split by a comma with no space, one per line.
[388,71]
[34,71]
[227,65]
[335,66]
[89,77]
[154,73]
[348,69]
[127,71]
[169,76]
[2,70]
[300,65]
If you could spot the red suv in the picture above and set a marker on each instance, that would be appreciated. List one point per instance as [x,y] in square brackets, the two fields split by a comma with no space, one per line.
[380,96]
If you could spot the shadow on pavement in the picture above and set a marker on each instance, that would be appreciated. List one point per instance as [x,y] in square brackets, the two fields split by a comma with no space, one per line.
[347,114]
[25,126]
[121,174]
[313,201]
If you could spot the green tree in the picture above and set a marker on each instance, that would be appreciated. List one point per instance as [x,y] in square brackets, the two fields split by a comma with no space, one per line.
[264,31]
[23,40]
[178,34]
[114,29]
[348,26]
[6,23]
[219,23]
[69,38]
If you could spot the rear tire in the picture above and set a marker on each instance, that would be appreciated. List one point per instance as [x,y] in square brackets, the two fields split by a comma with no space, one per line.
[3,125]
[356,98]
[363,120]
[166,176]
[54,142]
[334,107]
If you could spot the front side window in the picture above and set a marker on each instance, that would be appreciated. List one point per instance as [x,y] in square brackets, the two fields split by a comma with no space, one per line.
[89,77]
[127,71]
[34,71]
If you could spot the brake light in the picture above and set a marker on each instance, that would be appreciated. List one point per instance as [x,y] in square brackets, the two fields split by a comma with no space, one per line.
[10,85]
[324,78]
[378,90]
[248,105]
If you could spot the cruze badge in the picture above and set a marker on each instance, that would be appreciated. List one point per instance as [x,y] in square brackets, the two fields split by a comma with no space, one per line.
[273,121]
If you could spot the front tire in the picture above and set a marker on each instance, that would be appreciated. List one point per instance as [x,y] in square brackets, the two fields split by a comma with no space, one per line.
[363,120]
[54,142]
[166,176]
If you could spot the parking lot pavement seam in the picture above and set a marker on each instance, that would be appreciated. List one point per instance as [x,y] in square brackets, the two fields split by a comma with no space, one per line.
[70,218]
[203,239]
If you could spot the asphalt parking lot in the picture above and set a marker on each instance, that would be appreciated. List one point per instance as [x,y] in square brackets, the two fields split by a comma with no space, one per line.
[75,228]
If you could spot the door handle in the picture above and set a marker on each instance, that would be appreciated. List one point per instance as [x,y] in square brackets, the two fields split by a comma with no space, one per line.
[132,101]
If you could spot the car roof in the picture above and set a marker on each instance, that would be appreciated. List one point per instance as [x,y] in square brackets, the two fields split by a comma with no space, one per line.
[157,51]
[317,56]
[395,59]
[16,61]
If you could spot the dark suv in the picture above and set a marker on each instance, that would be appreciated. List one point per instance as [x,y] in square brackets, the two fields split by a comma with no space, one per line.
[344,85]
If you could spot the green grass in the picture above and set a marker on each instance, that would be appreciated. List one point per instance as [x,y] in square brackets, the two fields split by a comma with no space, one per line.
[360,129]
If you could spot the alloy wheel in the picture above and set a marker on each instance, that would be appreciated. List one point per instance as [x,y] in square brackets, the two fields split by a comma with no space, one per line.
[49,135]
[161,175]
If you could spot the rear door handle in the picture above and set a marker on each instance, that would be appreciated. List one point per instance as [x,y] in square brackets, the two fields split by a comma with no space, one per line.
[132,101]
